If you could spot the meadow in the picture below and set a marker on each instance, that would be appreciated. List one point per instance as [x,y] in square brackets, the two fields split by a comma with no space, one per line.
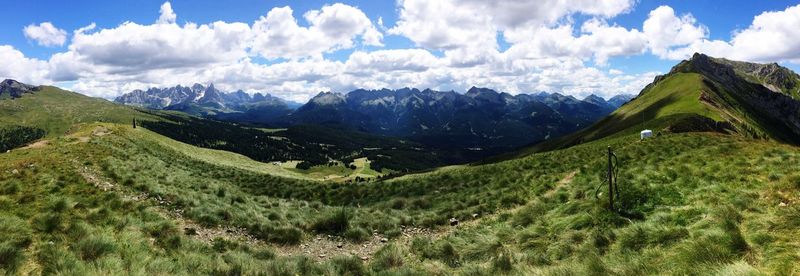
[109,199]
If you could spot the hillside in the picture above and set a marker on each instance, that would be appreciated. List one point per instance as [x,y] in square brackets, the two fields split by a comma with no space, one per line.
[705,94]
[49,112]
[111,199]
[701,198]
[55,110]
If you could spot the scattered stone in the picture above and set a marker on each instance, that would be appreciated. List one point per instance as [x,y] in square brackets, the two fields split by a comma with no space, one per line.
[783,204]
[15,171]
[474,215]
[190,231]
[364,258]
[384,240]
[340,245]
[453,221]
[322,255]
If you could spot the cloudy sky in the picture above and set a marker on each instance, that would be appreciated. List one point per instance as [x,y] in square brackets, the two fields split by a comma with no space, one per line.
[294,49]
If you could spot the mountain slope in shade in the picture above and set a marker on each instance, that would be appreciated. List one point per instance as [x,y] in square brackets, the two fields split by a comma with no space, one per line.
[480,118]
[706,94]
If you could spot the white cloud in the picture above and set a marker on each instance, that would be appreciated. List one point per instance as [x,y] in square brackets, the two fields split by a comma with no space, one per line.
[131,47]
[22,69]
[665,30]
[332,28]
[548,49]
[167,15]
[45,34]
[772,36]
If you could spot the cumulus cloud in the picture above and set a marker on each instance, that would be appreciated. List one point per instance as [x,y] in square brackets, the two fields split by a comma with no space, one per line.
[167,15]
[543,49]
[24,69]
[665,30]
[334,27]
[45,34]
[468,33]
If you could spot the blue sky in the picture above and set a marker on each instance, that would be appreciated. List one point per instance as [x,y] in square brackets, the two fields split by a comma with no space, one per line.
[416,43]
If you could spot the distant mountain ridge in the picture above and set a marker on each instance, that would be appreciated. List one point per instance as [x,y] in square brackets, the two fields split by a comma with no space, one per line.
[479,118]
[210,102]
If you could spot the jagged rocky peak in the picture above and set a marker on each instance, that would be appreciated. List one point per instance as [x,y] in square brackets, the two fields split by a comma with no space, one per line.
[771,75]
[328,98]
[15,89]
[595,99]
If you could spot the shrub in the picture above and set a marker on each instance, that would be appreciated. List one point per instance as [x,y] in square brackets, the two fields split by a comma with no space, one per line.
[10,257]
[59,205]
[264,254]
[334,222]
[348,265]
[48,222]
[502,261]
[305,165]
[167,235]
[221,245]
[356,234]
[398,203]
[280,235]
[390,256]
[529,214]
[93,247]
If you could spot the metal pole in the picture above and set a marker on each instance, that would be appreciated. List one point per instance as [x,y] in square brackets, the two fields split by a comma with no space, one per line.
[610,183]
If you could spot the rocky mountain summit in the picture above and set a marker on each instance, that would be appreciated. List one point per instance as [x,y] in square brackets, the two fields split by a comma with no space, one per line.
[479,118]
[15,89]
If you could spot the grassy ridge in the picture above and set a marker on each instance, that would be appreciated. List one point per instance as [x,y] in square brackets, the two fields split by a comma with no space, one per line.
[55,111]
[658,106]
[690,215]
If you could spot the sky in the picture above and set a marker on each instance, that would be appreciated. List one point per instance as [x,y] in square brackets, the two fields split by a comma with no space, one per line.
[296,49]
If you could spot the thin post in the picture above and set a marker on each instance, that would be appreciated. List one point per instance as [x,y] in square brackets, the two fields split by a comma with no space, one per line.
[134,122]
[610,182]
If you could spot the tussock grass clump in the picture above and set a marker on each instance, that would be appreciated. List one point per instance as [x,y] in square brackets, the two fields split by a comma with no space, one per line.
[280,234]
[348,265]
[15,236]
[333,221]
[93,247]
[388,257]
[357,234]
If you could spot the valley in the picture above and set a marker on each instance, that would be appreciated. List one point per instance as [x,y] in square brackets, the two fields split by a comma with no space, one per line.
[173,193]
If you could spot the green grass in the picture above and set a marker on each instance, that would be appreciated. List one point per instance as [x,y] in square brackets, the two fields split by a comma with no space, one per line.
[695,215]
[55,111]
[694,203]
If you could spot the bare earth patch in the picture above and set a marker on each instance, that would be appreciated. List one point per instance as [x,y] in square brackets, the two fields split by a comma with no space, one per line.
[37,144]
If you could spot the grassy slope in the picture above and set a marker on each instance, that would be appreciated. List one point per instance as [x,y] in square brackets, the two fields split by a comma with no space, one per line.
[219,157]
[702,204]
[56,110]
[672,99]
[720,214]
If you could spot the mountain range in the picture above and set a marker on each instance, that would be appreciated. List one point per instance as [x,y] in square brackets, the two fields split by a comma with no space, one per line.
[480,118]
[714,187]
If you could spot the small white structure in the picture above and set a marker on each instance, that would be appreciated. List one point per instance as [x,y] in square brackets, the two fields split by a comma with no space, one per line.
[647,134]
